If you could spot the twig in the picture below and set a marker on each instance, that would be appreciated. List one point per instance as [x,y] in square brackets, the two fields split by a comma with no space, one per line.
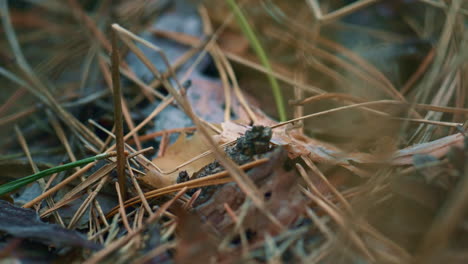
[125,111]
[118,122]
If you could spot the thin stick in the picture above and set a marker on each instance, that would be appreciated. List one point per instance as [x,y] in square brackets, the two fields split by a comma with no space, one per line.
[125,111]
[118,122]
[331,188]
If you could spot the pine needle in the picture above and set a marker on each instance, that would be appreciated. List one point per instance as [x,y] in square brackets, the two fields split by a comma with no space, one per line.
[16,184]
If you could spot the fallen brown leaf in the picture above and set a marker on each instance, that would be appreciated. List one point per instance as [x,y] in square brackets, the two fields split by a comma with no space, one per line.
[183,150]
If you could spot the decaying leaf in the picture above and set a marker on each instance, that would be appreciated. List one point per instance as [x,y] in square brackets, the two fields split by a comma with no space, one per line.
[183,150]
[25,223]
[197,243]
[276,184]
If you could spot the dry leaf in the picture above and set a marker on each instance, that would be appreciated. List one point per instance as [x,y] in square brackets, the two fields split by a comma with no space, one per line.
[25,223]
[275,183]
[183,150]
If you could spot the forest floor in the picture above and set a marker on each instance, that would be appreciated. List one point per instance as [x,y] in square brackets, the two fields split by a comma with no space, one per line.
[233,131]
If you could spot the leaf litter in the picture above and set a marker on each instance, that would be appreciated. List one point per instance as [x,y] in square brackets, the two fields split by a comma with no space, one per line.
[248,188]
[25,223]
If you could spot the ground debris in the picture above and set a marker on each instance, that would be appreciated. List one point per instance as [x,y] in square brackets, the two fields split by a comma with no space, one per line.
[25,223]
[254,143]
[277,184]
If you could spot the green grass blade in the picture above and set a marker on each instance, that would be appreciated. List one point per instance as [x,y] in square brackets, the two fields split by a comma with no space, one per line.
[249,33]
[16,184]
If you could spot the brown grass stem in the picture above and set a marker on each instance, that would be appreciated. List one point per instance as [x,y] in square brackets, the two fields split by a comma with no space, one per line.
[118,121]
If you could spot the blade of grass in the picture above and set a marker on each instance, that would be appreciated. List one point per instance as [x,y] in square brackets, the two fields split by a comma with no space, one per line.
[16,184]
[249,33]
